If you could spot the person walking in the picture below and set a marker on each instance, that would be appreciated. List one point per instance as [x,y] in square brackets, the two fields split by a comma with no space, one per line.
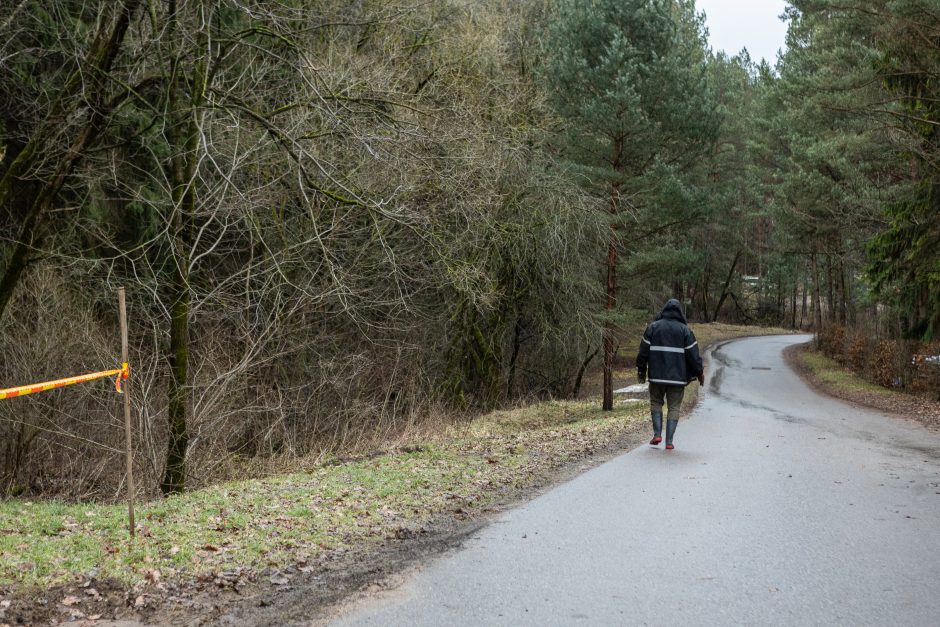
[669,351]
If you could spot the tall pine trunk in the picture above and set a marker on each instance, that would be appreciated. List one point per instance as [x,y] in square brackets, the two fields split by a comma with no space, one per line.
[803,309]
[844,295]
[817,304]
[796,286]
[611,304]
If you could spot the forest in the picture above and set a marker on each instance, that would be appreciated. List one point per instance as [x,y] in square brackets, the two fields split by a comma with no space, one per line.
[341,219]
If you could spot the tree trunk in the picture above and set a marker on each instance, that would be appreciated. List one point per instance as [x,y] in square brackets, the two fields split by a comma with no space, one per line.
[183,172]
[843,294]
[724,290]
[516,344]
[803,310]
[611,305]
[817,305]
[174,479]
[830,301]
[84,92]
[609,324]
[705,309]
[584,365]
[796,285]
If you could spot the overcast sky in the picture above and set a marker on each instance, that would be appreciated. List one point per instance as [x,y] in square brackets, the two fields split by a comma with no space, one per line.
[751,24]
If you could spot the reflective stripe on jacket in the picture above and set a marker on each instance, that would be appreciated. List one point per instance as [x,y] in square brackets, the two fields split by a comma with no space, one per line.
[669,349]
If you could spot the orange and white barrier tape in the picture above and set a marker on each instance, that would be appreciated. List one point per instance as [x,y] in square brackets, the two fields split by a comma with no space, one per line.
[121,373]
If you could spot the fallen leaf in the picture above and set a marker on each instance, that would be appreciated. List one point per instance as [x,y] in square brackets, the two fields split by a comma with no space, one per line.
[209,547]
[279,580]
[140,601]
[70,600]
[174,550]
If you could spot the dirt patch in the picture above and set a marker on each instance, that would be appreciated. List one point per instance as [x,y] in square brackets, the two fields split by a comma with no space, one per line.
[891,402]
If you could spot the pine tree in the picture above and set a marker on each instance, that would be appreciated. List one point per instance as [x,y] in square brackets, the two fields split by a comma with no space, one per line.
[627,77]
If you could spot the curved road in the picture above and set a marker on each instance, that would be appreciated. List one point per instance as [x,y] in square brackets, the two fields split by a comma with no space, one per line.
[778,506]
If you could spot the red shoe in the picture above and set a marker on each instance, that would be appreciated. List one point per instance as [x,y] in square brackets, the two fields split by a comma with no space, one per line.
[669,447]
[656,440]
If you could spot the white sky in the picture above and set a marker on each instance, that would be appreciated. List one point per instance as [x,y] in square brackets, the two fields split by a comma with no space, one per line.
[751,24]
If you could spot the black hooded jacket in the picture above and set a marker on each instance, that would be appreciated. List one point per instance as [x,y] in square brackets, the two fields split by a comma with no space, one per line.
[669,349]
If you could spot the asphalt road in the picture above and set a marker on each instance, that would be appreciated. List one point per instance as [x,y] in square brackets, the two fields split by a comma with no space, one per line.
[778,506]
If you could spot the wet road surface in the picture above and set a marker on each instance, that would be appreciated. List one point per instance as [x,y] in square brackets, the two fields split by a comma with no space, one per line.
[778,506]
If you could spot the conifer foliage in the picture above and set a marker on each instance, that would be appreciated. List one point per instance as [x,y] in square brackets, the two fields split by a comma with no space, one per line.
[628,80]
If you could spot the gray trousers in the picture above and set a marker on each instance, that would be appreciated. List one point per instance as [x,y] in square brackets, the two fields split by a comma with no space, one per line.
[671,394]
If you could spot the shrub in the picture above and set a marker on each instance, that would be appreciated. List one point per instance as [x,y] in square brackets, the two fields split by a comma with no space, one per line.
[883,364]
[832,342]
[859,350]
[925,371]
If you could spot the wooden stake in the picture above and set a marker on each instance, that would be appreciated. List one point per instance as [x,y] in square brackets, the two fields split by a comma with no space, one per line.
[122,307]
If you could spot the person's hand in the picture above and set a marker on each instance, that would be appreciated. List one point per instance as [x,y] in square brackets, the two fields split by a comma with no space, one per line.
[641,377]
[701,378]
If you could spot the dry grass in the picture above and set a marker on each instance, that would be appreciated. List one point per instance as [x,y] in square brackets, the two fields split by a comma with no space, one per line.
[829,373]
[287,519]
[829,377]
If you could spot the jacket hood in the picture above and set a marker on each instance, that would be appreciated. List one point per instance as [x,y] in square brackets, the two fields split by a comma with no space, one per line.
[672,310]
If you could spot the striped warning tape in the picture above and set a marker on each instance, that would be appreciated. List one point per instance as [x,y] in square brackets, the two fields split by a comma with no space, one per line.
[121,373]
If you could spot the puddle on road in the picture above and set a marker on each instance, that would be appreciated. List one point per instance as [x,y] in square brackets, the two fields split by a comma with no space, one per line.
[930,451]
[723,358]
[714,382]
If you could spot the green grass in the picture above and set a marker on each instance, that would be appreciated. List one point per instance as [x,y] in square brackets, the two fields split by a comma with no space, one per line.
[290,518]
[831,374]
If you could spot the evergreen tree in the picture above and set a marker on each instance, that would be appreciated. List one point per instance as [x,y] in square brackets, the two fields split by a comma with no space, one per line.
[627,77]
[905,257]
[826,151]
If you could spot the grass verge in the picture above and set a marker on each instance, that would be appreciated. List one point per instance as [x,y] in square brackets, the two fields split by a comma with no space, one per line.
[830,373]
[254,528]
[829,377]
[75,561]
